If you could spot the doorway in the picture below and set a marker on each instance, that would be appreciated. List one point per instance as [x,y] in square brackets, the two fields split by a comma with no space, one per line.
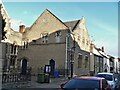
[24,66]
[52,64]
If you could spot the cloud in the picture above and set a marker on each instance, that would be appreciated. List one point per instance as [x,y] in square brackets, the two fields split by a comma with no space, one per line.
[15,24]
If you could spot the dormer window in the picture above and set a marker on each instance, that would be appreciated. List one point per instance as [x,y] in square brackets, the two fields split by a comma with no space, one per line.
[58,36]
[79,60]
[26,44]
[44,37]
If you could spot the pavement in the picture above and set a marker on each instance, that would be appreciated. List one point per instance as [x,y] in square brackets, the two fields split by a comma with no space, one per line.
[54,83]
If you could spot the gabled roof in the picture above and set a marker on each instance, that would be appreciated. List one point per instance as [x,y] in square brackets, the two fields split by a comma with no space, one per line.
[57,18]
[96,52]
[51,14]
[102,53]
[72,24]
[27,28]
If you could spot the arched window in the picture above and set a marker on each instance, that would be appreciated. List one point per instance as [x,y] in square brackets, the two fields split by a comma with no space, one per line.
[14,48]
[79,60]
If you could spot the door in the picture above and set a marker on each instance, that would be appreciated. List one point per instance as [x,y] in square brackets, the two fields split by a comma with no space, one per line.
[52,64]
[24,67]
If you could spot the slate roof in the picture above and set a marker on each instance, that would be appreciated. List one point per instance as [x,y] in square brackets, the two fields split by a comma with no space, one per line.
[72,24]
[27,28]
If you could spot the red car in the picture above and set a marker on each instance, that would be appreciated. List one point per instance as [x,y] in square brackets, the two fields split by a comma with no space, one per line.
[86,83]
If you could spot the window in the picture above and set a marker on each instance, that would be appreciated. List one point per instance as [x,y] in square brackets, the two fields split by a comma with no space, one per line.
[83,40]
[58,36]
[87,42]
[78,38]
[80,61]
[12,61]
[25,44]
[44,37]
[104,84]
[12,48]
[86,61]
[15,49]
[82,84]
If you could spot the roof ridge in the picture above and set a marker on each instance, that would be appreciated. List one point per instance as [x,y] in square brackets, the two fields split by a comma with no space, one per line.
[71,21]
[57,18]
[76,25]
[51,14]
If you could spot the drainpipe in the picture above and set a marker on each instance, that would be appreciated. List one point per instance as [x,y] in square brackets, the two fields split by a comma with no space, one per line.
[67,54]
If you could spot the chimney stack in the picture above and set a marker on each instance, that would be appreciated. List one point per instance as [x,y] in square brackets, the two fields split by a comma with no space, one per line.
[22,28]
[102,49]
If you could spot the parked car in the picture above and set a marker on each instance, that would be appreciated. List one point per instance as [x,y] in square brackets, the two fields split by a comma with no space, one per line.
[117,86]
[86,83]
[109,77]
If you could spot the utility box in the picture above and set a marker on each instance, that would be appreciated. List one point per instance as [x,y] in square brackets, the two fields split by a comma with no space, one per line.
[47,78]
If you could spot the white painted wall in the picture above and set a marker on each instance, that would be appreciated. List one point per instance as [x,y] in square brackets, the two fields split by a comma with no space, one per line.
[116,64]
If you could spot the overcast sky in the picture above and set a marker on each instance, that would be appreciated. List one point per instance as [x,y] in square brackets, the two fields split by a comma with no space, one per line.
[101,18]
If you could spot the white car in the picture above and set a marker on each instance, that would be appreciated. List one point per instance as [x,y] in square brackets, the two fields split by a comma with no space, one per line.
[109,77]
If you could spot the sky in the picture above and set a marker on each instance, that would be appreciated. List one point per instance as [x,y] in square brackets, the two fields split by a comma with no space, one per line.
[101,18]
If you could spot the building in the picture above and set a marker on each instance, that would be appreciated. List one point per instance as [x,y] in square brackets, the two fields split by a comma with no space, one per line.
[62,45]
[10,41]
[111,63]
[96,60]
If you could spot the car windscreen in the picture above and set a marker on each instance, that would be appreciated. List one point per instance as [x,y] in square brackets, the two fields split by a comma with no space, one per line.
[106,76]
[82,84]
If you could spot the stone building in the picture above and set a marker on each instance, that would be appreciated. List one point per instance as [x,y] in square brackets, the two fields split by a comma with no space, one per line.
[64,46]
[10,41]
[49,41]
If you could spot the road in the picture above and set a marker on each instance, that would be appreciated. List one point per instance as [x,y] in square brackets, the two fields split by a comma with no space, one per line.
[34,85]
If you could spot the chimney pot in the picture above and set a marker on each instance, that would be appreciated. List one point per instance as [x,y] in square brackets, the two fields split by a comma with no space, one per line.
[102,49]
[22,28]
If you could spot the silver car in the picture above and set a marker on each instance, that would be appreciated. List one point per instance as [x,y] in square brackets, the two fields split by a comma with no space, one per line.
[109,77]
